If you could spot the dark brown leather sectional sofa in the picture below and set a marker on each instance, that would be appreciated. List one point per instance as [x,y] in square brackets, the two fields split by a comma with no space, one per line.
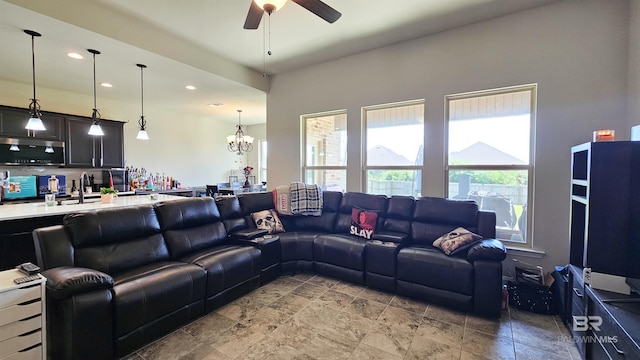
[119,278]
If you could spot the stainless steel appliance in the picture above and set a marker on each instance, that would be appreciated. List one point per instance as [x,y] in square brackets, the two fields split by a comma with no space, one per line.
[31,152]
[119,176]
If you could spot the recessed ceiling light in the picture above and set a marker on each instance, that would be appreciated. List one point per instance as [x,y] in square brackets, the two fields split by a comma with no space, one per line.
[190,87]
[75,56]
[106,84]
[215,104]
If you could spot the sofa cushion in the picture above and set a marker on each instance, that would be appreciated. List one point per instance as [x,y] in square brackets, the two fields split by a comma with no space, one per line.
[147,293]
[428,266]
[297,245]
[187,213]
[456,241]
[324,223]
[363,222]
[433,217]
[231,213]
[338,249]
[398,214]
[253,202]
[364,201]
[115,240]
[190,225]
[226,265]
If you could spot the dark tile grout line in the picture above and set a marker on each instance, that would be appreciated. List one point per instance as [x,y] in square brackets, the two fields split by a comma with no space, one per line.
[387,305]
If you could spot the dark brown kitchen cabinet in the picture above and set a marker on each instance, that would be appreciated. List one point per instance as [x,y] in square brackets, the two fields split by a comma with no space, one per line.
[13,120]
[86,151]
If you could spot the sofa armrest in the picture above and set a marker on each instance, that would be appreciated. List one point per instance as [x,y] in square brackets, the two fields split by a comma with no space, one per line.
[487,224]
[387,236]
[487,249]
[487,293]
[248,234]
[66,281]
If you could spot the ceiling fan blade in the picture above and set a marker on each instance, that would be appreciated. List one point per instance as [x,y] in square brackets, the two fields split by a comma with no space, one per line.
[253,16]
[321,9]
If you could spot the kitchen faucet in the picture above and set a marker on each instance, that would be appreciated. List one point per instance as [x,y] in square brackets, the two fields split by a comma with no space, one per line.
[81,192]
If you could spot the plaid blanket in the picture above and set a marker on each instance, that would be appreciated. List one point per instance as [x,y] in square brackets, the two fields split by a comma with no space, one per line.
[305,199]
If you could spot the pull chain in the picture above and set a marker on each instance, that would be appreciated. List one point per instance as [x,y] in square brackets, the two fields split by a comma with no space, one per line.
[266,45]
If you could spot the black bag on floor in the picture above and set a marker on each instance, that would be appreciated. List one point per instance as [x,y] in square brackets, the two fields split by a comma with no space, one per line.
[535,298]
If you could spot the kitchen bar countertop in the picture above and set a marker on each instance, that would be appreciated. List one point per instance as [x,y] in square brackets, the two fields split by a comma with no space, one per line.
[39,209]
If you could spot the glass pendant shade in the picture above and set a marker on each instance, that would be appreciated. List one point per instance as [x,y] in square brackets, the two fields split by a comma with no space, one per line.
[49,150]
[277,4]
[35,123]
[142,135]
[96,130]
[14,147]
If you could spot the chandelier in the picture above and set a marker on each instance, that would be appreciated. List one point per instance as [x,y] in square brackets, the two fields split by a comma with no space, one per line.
[239,142]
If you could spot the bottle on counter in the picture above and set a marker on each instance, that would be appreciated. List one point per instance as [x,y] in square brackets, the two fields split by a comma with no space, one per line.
[74,188]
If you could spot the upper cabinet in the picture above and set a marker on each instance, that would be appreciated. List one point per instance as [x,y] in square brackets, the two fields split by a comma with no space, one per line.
[13,120]
[86,151]
[81,149]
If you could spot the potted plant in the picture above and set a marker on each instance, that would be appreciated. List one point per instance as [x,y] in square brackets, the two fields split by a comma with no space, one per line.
[107,195]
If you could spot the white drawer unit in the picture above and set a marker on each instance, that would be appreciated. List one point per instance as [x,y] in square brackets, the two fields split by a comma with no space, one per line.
[22,318]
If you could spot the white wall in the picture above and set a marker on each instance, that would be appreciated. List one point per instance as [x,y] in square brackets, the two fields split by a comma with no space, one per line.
[575,50]
[191,149]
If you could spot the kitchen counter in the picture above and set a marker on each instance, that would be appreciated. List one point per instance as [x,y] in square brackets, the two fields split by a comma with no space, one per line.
[39,209]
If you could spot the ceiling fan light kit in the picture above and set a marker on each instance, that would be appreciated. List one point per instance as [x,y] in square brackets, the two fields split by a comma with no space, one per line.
[258,7]
[271,5]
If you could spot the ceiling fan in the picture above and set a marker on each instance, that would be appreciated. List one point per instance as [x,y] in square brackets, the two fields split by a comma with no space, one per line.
[258,7]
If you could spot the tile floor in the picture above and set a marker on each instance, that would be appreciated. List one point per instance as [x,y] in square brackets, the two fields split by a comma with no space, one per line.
[307,316]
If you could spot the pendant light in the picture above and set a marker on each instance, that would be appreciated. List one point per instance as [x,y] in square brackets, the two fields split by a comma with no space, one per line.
[95,128]
[35,121]
[142,133]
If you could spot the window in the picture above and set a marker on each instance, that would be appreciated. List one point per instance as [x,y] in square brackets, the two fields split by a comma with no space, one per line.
[490,155]
[325,150]
[394,143]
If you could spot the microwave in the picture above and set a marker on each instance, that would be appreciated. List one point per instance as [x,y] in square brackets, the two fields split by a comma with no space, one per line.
[31,152]
[120,178]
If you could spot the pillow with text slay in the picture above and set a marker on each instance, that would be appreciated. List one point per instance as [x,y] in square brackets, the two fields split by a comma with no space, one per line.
[268,220]
[456,241]
[363,222]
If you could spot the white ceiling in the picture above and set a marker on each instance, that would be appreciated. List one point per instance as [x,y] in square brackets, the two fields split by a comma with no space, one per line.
[202,42]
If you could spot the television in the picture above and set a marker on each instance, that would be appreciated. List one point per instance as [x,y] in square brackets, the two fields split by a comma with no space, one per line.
[21,187]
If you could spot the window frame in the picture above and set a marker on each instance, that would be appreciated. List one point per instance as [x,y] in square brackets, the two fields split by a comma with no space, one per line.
[304,168]
[530,167]
[366,168]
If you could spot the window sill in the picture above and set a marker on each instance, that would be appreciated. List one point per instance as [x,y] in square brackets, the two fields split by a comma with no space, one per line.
[525,252]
